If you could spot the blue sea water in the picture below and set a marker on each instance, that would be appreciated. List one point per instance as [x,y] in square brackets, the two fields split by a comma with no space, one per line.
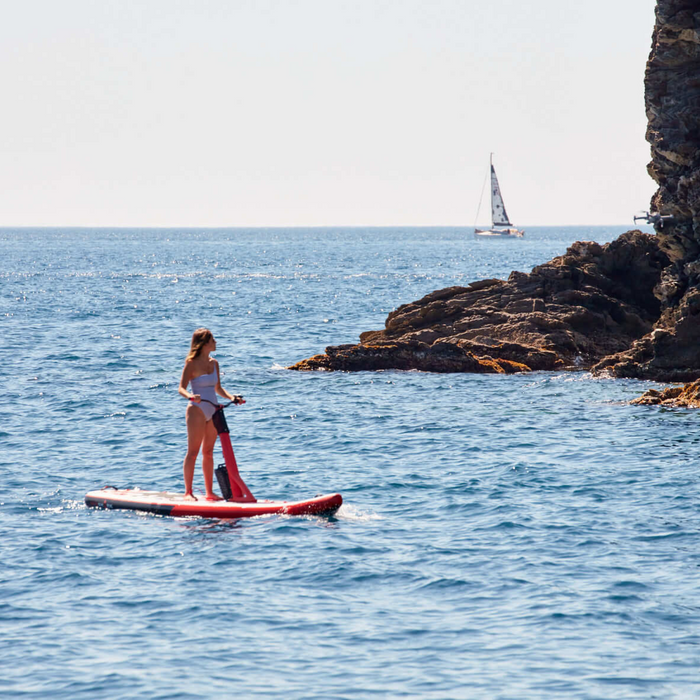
[527,536]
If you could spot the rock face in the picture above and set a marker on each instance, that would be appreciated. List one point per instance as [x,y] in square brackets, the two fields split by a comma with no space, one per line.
[630,308]
[672,96]
[568,313]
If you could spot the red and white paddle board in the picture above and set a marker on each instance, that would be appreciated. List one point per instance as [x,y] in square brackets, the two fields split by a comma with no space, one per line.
[165,503]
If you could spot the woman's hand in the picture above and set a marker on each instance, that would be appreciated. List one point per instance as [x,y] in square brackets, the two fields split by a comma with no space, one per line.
[196,398]
[238,400]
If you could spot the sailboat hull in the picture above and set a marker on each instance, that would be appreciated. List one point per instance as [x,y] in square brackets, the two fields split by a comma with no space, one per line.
[499,232]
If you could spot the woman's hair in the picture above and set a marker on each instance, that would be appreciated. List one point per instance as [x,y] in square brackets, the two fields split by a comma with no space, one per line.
[199,339]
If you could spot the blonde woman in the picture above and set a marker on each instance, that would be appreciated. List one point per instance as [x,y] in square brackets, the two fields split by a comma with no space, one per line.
[201,372]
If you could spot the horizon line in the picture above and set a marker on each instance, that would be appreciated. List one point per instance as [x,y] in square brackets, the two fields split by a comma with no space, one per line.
[292,226]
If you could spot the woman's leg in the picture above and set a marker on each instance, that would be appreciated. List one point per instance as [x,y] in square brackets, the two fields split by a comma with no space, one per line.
[208,443]
[196,427]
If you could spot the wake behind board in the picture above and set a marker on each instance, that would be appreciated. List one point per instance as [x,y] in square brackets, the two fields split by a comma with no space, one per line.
[165,503]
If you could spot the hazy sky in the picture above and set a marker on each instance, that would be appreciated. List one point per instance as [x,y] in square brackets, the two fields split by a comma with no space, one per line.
[321,112]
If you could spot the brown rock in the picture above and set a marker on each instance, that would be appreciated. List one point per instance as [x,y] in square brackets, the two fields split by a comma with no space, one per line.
[687,396]
[672,96]
[571,312]
[317,362]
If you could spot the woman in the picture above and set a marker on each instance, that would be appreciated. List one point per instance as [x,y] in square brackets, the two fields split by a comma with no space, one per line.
[202,372]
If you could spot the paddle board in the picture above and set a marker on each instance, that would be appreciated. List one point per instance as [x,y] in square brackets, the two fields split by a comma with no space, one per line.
[175,504]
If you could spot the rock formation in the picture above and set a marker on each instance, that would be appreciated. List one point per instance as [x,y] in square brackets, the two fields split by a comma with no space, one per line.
[572,312]
[672,96]
[630,308]
[687,396]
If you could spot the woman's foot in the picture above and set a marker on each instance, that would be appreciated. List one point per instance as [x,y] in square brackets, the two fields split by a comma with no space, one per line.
[213,497]
[189,496]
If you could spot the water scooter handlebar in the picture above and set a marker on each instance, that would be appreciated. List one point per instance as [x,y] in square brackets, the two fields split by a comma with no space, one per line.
[237,401]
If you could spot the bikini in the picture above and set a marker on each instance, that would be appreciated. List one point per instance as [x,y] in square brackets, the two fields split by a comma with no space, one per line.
[205,386]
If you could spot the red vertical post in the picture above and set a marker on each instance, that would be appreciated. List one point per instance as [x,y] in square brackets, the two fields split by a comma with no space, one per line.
[239,491]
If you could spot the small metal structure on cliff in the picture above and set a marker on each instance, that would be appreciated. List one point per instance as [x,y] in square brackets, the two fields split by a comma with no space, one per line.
[654,218]
[500,224]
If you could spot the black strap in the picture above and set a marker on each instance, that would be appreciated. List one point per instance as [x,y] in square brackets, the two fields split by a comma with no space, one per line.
[221,405]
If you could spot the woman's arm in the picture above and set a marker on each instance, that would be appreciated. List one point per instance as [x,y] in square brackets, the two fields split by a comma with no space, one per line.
[222,392]
[184,381]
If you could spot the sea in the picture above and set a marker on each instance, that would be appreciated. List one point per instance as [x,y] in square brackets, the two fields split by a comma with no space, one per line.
[523,537]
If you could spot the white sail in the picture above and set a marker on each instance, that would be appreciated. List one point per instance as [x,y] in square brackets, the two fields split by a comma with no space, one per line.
[498,209]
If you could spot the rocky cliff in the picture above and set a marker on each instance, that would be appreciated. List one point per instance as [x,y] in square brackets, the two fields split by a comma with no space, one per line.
[630,308]
[672,95]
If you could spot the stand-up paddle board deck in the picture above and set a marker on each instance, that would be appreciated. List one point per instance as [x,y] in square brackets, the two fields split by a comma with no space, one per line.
[165,503]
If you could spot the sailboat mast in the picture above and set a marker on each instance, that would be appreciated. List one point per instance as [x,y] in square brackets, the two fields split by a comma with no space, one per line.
[494,187]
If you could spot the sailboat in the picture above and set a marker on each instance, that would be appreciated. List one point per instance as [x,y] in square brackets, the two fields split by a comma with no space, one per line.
[500,224]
